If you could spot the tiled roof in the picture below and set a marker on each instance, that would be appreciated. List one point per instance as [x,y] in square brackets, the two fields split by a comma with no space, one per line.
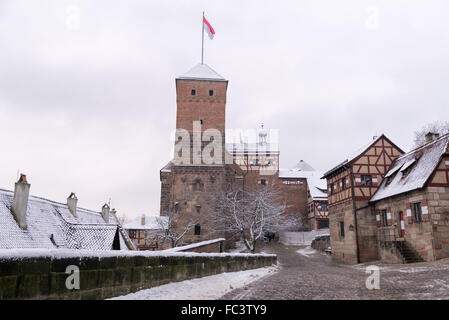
[51,225]
[151,223]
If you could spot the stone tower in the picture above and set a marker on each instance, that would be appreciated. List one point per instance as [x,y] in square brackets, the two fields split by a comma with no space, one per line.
[201,107]
[189,187]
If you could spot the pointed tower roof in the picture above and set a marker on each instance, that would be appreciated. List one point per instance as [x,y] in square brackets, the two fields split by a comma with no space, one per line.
[303,166]
[202,72]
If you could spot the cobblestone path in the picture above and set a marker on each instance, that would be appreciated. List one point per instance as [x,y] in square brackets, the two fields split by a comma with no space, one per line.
[316,276]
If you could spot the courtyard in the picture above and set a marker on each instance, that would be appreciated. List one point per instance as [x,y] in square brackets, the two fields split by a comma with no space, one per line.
[309,274]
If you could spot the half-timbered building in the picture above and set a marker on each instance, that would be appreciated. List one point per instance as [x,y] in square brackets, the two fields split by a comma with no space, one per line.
[146,232]
[412,204]
[350,185]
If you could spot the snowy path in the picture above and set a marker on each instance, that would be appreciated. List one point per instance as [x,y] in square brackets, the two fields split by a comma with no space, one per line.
[309,274]
[206,288]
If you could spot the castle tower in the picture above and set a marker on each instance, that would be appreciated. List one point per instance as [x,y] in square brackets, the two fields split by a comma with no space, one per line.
[201,98]
[189,188]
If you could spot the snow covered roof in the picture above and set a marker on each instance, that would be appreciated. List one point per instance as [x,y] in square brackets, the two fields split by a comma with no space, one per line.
[303,166]
[412,170]
[202,72]
[151,223]
[51,225]
[317,186]
[354,155]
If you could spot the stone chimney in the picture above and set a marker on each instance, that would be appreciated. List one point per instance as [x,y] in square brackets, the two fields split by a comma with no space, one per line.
[20,202]
[142,220]
[114,214]
[105,212]
[72,201]
[430,136]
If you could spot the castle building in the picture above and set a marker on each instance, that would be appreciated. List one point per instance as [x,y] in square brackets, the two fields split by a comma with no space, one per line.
[198,172]
[258,159]
[351,184]
[305,194]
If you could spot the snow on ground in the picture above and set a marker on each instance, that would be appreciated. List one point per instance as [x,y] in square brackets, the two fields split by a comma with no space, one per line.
[206,288]
[307,251]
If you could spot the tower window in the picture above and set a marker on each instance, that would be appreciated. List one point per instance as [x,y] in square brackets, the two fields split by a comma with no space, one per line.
[193,92]
[197,230]
[211,93]
[342,229]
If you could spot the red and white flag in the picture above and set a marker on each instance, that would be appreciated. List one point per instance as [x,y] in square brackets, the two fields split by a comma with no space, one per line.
[210,31]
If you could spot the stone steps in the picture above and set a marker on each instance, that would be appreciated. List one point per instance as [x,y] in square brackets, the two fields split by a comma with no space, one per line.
[407,253]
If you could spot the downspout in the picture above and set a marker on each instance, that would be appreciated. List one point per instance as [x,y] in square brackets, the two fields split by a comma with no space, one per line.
[355,215]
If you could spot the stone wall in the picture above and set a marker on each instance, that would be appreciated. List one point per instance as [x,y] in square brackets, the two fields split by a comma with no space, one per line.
[421,235]
[388,253]
[343,247]
[321,243]
[44,276]
[367,232]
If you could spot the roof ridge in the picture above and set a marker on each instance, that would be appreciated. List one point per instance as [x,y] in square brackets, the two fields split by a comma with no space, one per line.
[51,201]
[446,135]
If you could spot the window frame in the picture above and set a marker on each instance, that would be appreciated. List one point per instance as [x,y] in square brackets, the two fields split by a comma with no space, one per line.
[417,214]
[342,229]
[197,230]
[363,181]
[384,217]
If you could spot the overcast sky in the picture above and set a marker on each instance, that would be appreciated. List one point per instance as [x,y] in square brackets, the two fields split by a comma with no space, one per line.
[88,105]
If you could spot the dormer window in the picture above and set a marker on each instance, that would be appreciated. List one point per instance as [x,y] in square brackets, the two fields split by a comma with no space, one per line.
[193,92]
[211,93]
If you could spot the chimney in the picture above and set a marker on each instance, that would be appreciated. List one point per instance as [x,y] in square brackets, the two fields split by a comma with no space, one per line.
[430,136]
[20,202]
[105,212]
[72,200]
[114,214]
[142,220]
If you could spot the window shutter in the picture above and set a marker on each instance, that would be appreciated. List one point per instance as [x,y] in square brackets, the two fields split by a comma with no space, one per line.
[379,223]
[409,213]
[358,179]
[425,211]
[374,180]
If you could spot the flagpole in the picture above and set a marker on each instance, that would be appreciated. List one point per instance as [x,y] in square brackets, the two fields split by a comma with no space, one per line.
[202,40]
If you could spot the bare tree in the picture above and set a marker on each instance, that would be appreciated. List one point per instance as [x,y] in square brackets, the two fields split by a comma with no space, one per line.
[248,214]
[175,228]
[441,127]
